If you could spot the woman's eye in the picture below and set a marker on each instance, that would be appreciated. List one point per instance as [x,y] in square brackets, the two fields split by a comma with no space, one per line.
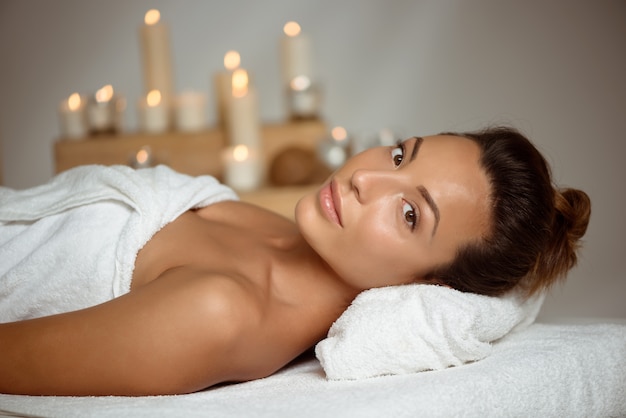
[397,154]
[410,215]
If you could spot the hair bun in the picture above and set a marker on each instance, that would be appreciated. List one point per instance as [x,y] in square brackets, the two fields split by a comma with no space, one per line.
[571,217]
[573,210]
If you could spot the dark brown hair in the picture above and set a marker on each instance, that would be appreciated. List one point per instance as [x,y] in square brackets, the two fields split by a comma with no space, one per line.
[535,228]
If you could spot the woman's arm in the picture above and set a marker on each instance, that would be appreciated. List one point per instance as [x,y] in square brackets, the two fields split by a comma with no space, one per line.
[180,333]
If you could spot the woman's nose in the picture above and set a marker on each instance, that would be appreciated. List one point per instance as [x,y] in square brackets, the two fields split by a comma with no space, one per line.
[369,184]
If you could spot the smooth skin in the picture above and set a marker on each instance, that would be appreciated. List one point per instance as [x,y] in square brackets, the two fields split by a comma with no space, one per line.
[233,292]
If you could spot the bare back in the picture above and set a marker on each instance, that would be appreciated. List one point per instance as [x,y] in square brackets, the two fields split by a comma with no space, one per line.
[230,292]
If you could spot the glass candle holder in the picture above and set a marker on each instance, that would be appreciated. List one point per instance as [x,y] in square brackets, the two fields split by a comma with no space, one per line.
[303,99]
[335,150]
[104,111]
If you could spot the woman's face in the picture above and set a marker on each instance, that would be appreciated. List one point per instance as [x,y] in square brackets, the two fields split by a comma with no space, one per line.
[392,214]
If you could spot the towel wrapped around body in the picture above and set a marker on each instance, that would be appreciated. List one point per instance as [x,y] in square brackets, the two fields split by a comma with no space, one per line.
[72,243]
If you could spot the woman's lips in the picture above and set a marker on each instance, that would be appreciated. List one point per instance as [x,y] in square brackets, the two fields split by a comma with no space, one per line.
[330,202]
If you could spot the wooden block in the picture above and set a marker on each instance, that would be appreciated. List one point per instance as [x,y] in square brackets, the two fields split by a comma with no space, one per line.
[190,153]
[194,154]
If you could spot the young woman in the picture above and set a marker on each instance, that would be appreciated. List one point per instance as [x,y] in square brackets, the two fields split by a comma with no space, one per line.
[231,292]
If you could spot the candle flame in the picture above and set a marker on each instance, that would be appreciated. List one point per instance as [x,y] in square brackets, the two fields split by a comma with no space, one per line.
[240,153]
[339,133]
[153,98]
[73,102]
[232,60]
[152,17]
[240,83]
[104,94]
[142,155]
[291,29]
[300,83]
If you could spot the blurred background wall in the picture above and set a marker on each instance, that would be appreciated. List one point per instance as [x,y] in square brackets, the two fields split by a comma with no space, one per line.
[554,69]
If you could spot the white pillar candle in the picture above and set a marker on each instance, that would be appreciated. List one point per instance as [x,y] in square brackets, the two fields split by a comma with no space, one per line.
[153,113]
[243,169]
[295,50]
[72,117]
[190,111]
[223,83]
[156,56]
[244,127]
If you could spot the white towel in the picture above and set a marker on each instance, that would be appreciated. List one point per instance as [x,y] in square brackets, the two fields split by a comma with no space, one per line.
[547,371]
[72,243]
[413,328]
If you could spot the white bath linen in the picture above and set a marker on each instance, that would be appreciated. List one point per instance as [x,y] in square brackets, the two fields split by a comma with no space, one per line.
[545,370]
[412,328]
[72,243]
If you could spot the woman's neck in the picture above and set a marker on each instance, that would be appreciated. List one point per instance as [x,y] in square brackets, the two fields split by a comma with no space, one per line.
[290,276]
[302,278]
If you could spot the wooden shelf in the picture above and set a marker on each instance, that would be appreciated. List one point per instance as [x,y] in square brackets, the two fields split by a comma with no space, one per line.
[190,153]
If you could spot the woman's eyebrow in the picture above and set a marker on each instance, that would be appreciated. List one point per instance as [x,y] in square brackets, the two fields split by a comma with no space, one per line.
[416,147]
[423,191]
[432,205]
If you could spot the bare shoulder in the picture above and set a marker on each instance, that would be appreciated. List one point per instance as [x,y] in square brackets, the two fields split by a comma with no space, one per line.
[237,333]
[212,296]
[247,333]
[218,307]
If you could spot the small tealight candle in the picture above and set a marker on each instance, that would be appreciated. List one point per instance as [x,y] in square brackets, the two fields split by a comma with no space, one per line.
[153,113]
[72,117]
[142,158]
[190,111]
[243,169]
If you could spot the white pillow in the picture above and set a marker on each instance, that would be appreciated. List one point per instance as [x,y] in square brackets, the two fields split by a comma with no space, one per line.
[412,328]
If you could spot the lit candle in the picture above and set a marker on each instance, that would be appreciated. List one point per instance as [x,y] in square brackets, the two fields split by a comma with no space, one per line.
[156,56]
[335,150]
[104,111]
[190,111]
[295,53]
[223,81]
[153,113]
[303,98]
[242,168]
[142,158]
[72,117]
[243,112]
